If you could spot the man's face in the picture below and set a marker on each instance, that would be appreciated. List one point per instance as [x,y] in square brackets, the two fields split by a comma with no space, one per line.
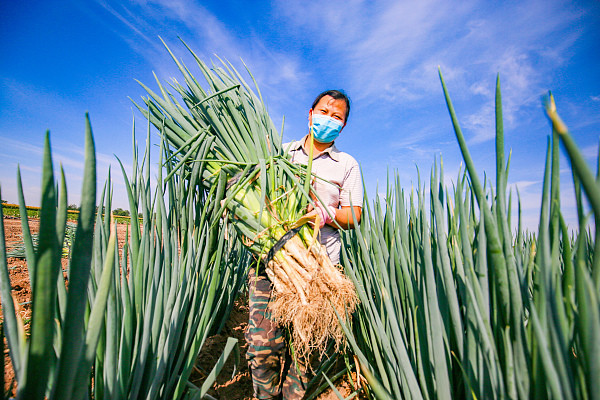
[330,107]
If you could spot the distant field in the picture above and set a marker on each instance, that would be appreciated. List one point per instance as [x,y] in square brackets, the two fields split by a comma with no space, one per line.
[12,210]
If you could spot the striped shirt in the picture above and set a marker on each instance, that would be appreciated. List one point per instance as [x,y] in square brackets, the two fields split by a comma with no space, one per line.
[339,184]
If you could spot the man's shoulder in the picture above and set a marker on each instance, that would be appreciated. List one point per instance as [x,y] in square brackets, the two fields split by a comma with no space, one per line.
[345,157]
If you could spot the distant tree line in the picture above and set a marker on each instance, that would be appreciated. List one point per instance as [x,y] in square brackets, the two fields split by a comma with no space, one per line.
[119,212]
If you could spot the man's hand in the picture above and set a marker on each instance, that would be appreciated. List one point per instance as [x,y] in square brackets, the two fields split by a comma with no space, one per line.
[318,217]
[326,214]
[336,217]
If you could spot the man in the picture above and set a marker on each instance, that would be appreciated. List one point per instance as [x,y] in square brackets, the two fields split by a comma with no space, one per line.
[274,373]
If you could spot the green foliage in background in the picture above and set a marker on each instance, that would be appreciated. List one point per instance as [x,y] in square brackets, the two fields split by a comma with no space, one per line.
[134,318]
[14,210]
[183,276]
[60,319]
[18,250]
[456,306]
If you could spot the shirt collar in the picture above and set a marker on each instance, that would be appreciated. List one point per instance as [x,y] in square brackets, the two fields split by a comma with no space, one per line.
[332,151]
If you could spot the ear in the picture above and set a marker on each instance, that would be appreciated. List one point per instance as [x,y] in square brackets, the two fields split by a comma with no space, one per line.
[310,113]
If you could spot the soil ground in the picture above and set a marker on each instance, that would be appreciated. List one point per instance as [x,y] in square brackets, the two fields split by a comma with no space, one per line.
[229,386]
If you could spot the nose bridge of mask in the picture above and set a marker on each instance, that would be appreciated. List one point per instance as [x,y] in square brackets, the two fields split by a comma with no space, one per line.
[325,120]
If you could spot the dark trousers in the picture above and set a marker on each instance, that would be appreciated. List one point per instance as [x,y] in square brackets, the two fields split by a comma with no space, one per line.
[275,374]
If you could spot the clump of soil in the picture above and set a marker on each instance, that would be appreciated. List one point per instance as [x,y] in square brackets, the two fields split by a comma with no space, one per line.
[228,385]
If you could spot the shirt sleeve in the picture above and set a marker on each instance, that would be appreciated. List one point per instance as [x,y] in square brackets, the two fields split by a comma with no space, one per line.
[352,188]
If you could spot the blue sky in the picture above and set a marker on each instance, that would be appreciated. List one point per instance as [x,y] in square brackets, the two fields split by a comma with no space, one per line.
[62,58]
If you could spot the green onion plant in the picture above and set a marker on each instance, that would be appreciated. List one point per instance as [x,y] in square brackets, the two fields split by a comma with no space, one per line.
[456,303]
[133,318]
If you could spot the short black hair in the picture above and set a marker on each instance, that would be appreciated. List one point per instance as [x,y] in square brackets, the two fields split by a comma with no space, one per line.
[337,95]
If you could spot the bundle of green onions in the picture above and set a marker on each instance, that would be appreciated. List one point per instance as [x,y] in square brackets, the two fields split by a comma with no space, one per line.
[228,132]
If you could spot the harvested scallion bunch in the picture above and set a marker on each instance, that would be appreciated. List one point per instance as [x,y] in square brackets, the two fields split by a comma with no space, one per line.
[228,131]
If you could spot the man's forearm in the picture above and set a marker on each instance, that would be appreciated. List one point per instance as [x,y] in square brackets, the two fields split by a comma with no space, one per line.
[345,219]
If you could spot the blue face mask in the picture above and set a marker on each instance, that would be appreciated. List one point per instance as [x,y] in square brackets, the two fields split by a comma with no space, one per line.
[325,129]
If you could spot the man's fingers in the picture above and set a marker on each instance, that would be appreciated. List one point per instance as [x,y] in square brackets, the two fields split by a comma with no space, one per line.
[308,217]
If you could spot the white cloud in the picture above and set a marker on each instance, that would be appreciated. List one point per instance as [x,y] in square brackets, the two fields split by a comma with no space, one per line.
[391,50]
[133,22]
[205,33]
[10,147]
[386,51]
[481,124]
[590,152]
[522,185]
[481,89]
